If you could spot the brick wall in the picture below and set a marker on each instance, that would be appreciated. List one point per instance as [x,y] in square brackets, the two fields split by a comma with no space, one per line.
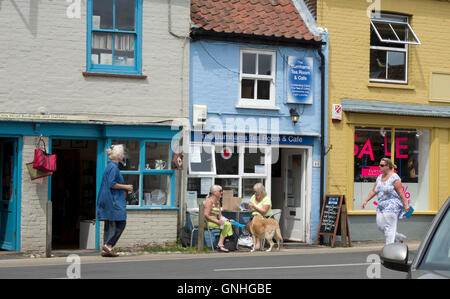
[33,203]
[147,227]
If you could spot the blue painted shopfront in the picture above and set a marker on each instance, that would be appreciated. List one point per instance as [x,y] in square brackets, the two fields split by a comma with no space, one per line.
[235,117]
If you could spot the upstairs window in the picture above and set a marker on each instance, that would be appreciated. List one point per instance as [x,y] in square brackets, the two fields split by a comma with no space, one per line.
[114,36]
[390,36]
[257,78]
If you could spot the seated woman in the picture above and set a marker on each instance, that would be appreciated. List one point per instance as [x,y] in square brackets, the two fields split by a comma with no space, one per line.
[214,216]
[261,205]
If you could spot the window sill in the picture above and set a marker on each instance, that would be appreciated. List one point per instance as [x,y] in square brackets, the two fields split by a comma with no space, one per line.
[127,76]
[391,85]
[243,106]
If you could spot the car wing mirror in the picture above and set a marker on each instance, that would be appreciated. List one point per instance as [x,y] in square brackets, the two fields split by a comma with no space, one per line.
[395,257]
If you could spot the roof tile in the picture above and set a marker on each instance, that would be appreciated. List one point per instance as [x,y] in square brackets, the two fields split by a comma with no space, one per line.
[277,18]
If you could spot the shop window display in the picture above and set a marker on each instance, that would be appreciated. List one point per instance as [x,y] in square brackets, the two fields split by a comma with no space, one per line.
[146,166]
[411,155]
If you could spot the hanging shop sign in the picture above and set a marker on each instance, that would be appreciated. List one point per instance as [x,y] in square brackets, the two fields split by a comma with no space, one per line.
[300,70]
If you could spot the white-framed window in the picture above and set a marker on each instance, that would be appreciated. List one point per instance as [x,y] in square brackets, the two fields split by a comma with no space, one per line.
[201,159]
[390,36]
[257,78]
[236,167]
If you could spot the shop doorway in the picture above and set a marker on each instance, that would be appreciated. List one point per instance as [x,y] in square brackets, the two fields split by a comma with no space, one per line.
[293,178]
[8,193]
[73,190]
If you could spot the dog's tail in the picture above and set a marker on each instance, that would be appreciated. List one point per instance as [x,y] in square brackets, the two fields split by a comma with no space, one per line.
[278,234]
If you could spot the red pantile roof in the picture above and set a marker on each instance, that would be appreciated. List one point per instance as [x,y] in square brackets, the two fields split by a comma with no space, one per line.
[272,18]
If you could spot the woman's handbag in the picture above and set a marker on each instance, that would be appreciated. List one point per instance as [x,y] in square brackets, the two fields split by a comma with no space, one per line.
[42,160]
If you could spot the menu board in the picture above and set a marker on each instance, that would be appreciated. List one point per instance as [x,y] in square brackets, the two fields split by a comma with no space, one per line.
[330,214]
[331,218]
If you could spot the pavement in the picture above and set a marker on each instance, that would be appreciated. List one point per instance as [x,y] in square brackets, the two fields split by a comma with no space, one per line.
[287,248]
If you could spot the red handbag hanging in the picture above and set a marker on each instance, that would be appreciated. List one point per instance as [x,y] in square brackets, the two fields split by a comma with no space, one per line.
[42,160]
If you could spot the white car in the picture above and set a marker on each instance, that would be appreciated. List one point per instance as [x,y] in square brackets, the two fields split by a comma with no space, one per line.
[433,256]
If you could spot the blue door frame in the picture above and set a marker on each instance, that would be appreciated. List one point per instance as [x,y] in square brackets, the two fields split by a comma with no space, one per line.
[10,193]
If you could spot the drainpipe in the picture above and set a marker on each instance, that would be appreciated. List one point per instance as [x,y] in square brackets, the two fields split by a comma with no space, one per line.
[322,131]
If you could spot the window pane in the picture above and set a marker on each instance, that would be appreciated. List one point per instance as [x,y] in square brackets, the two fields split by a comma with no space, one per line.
[247,188]
[6,171]
[371,144]
[411,158]
[264,64]
[101,50]
[396,66]
[124,49]
[200,158]
[263,90]
[132,179]
[157,155]
[437,256]
[249,63]
[406,155]
[248,89]
[401,30]
[125,15]
[385,31]
[131,159]
[195,184]
[375,41]
[156,190]
[377,64]
[228,184]
[227,160]
[254,160]
[102,14]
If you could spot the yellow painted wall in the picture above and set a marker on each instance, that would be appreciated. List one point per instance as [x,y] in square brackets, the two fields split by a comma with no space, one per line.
[348,78]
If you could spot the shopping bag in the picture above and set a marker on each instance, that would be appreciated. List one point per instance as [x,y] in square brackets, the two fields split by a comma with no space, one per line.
[42,160]
[36,174]
[231,203]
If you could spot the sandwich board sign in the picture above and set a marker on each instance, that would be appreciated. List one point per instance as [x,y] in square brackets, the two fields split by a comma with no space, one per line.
[333,219]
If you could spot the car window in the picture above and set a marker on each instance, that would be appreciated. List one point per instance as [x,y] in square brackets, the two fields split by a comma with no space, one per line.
[437,256]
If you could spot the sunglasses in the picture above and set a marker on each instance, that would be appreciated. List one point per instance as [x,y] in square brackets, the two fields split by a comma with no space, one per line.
[382,165]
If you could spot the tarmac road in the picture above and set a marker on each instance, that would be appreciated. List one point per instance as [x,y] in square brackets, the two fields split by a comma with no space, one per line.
[306,263]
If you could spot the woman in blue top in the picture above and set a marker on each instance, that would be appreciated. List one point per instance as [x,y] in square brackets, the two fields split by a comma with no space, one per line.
[111,204]
[392,203]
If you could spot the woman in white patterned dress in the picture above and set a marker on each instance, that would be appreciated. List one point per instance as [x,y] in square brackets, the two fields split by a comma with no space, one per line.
[392,203]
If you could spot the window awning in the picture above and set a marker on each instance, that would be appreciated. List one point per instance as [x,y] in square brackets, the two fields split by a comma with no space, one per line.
[390,31]
[362,106]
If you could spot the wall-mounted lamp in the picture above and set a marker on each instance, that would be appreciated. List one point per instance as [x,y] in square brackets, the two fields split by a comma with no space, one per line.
[294,115]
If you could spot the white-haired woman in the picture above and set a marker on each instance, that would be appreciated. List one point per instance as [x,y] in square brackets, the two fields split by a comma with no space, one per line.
[111,204]
[261,205]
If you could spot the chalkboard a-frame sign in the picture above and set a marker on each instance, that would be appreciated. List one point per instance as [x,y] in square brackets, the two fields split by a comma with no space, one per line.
[333,219]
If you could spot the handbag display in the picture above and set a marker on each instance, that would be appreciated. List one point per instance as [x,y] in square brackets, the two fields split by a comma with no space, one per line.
[36,174]
[42,160]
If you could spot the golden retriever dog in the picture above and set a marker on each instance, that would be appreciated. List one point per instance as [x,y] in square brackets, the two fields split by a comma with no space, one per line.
[268,228]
